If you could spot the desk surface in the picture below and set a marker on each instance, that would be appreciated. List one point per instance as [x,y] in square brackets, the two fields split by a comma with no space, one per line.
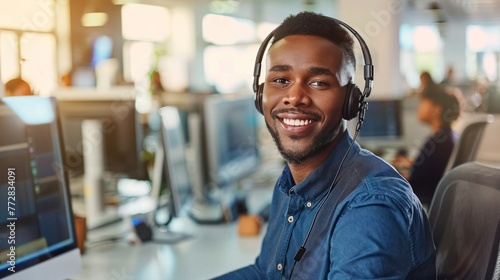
[212,250]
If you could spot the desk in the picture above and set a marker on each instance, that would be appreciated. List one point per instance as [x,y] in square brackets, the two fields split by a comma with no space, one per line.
[213,250]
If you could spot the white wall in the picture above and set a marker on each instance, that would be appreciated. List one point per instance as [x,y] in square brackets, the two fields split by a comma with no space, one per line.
[378,22]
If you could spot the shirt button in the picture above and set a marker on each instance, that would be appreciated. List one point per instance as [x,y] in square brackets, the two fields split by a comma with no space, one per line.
[290,219]
[309,204]
[280,266]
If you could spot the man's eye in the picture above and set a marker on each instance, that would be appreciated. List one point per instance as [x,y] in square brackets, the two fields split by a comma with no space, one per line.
[280,81]
[319,84]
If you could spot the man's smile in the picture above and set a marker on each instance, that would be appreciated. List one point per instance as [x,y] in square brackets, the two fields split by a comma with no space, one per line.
[296,122]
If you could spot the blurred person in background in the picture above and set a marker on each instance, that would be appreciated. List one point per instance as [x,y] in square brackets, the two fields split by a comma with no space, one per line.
[17,87]
[439,109]
[449,79]
[427,84]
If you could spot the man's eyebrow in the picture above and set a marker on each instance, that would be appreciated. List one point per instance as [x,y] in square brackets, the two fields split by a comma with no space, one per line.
[312,70]
[320,71]
[280,68]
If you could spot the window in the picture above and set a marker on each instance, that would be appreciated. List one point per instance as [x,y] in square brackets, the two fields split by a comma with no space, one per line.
[138,58]
[236,30]
[483,47]
[29,15]
[421,50]
[9,55]
[38,59]
[145,22]
[145,29]
[228,68]
[230,55]
[28,43]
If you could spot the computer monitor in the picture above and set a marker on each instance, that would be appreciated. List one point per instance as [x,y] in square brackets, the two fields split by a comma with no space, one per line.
[37,235]
[171,182]
[121,130]
[383,120]
[171,189]
[225,141]
[232,144]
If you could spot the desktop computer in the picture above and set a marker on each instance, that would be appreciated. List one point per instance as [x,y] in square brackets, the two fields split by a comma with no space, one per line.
[222,137]
[103,144]
[383,128]
[37,232]
[229,142]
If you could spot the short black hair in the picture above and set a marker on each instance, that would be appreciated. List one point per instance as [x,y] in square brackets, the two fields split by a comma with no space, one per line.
[316,24]
[449,99]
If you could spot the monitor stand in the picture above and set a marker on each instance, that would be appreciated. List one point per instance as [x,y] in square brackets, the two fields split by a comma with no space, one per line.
[147,229]
[207,212]
[163,235]
[223,209]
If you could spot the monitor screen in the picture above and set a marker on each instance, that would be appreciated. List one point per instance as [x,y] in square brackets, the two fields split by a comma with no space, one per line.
[37,236]
[383,120]
[231,130]
[120,127]
[174,178]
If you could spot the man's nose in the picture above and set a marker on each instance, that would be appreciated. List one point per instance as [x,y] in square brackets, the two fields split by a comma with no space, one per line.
[297,95]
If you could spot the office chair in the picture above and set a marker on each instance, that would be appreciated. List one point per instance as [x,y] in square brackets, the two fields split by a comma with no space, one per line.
[465,220]
[469,140]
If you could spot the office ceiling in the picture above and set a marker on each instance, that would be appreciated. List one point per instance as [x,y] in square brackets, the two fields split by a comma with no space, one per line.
[477,11]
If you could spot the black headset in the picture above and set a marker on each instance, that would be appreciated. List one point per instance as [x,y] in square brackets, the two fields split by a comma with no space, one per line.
[354,103]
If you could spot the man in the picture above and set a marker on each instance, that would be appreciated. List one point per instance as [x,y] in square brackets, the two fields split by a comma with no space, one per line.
[17,87]
[379,231]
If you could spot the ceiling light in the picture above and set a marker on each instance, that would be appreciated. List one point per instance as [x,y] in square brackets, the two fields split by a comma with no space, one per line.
[94,19]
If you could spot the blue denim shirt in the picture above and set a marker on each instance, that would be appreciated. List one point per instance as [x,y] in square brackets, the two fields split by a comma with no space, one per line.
[379,231]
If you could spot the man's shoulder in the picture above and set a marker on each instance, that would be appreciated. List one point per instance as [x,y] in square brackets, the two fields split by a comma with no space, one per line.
[378,180]
[367,164]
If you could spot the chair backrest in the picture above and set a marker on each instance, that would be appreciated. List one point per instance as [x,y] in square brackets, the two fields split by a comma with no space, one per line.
[469,140]
[465,220]
[489,151]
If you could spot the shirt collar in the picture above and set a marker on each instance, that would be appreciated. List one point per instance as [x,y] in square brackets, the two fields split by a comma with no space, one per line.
[321,178]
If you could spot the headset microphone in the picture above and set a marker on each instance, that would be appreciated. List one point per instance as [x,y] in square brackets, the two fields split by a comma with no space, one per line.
[354,106]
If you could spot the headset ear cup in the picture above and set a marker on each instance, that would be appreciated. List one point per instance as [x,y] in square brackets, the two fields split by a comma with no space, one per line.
[351,103]
[258,98]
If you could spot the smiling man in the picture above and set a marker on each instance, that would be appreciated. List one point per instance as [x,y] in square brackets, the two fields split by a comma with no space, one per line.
[338,211]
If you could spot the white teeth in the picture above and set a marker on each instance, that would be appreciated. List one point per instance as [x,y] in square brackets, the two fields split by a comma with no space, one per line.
[295,122]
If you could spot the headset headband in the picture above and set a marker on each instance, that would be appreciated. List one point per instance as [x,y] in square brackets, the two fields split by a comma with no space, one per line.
[367,69]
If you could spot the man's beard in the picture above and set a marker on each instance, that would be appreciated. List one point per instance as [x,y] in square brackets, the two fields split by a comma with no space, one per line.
[320,142]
